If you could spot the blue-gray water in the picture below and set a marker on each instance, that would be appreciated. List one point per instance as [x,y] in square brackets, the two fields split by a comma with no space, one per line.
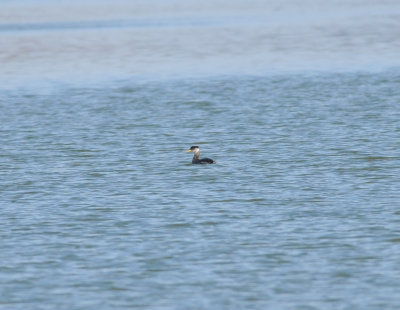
[299,105]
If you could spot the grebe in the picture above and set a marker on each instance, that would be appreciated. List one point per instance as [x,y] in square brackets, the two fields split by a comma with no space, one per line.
[196,159]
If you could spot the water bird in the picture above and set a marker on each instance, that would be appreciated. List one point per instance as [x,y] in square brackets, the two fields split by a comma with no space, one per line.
[196,150]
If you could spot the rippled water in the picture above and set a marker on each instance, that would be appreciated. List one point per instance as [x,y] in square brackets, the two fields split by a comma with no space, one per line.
[101,207]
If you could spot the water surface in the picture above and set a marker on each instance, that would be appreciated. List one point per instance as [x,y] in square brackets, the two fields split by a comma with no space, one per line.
[297,103]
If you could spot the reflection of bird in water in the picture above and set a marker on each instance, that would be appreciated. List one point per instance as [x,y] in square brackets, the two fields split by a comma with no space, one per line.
[196,159]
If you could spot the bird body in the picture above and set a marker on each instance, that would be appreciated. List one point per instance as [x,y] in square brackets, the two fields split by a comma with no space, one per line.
[196,150]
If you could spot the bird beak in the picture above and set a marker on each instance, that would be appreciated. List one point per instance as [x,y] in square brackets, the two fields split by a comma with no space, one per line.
[188,151]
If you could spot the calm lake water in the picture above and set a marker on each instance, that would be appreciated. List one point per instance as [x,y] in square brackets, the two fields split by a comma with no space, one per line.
[299,104]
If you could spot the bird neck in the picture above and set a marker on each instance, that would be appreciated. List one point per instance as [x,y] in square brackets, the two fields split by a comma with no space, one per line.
[196,156]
